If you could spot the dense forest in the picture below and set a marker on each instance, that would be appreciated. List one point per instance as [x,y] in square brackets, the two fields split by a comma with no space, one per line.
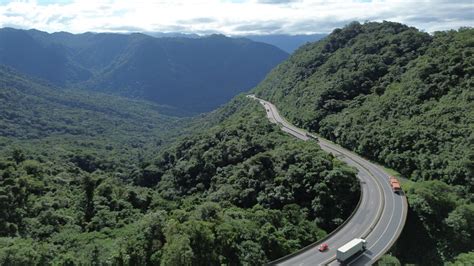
[193,74]
[93,180]
[403,98]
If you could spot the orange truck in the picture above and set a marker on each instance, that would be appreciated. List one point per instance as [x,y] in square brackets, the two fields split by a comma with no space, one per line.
[395,184]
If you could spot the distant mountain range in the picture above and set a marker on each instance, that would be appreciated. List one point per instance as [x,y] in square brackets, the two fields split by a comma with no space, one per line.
[194,74]
[286,42]
[90,178]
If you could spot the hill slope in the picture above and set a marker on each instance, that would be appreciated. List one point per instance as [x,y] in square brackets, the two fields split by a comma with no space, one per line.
[32,111]
[18,49]
[196,75]
[400,97]
[387,91]
[85,180]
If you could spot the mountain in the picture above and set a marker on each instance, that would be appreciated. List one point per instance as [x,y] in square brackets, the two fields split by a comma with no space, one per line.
[34,112]
[195,75]
[20,50]
[87,178]
[100,183]
[288,43]
[345,85]
[403,98]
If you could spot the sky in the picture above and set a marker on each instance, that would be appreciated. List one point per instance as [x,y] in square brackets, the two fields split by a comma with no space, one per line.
[230,17]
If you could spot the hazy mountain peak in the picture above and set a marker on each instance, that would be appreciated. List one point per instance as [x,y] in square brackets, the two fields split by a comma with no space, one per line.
[196,74]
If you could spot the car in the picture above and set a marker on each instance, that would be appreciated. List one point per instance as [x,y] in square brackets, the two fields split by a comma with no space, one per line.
[323,247]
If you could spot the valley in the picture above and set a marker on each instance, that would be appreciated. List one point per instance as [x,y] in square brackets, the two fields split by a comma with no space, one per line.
[125,149]
[194,75]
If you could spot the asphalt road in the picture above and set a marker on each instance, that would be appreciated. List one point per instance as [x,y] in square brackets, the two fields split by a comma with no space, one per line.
[379,218]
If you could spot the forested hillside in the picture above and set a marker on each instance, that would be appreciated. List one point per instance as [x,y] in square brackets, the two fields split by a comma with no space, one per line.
[88,180]
[403,98]
[193,74]
[92,179]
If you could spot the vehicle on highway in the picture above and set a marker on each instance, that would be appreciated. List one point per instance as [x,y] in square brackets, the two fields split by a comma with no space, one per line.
[351,248]
[323,247]
[381,228]
[396,188]
[311,136]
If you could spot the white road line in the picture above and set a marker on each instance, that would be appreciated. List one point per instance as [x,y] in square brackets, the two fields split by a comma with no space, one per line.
[370,169]
[380,237]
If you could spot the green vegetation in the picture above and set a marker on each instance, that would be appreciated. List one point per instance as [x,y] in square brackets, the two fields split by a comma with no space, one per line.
[76,124]
[388,260]
[193,75]
[463,259]
[86,180]
[441,218]
[402,98]
[89,179]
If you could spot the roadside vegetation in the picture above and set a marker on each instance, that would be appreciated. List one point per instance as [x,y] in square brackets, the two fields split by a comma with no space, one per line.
[87,180]
[402,98]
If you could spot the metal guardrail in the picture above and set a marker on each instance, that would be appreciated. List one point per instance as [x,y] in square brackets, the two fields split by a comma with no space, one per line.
[312,245]
[366,233]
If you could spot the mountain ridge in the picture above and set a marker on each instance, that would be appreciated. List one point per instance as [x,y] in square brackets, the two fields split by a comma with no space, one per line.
[239,190]
[196,75]
[86,178]
[402,98]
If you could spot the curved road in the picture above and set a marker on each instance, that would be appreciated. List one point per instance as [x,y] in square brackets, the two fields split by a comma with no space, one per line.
[379,219]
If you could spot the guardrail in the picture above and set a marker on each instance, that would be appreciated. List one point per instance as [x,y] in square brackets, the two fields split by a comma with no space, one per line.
[312,245]
[322,240]
[364,235]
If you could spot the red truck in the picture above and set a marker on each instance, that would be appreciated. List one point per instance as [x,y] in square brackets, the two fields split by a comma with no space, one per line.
[395,184]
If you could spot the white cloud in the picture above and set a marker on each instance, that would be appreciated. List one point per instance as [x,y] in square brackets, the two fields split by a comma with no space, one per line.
[230,16]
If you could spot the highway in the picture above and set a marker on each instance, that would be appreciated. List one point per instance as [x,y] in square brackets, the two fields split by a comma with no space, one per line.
[379,218]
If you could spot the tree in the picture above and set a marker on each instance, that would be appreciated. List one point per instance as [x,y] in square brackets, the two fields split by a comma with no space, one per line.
[460,223]
[388,260]
[250,253]
[18,155]
[177,251]
[463,259]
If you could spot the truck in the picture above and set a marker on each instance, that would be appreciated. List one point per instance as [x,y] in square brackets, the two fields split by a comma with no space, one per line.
[351,248]
[311,136]
[396,188]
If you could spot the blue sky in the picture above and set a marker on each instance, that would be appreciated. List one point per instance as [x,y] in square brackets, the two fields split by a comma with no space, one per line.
[232,17]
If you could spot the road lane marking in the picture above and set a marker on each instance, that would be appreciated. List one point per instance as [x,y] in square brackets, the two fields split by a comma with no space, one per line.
[381,235]
[271,111]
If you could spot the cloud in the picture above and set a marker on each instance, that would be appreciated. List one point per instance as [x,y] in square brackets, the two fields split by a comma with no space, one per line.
[232,17]
[124,28]
[196,21]
[277,1]
[309,25]
[269,27]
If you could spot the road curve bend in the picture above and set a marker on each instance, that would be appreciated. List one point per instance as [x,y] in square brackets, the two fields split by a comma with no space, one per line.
[379,218]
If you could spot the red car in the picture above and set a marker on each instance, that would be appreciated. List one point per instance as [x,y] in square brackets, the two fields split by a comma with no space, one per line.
[323,247]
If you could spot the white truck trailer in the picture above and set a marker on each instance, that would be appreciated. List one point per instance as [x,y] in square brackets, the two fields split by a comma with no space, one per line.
[350,248]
